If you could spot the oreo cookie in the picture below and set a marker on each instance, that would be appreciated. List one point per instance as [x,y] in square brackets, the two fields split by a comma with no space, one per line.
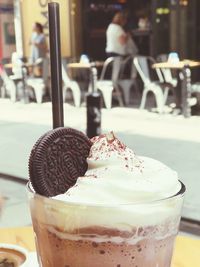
[57,159]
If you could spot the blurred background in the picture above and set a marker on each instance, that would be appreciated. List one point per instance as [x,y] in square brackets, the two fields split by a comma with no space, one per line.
[173,26]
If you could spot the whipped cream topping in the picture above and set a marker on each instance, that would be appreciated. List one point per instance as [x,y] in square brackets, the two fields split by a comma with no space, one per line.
[119,191]
[117,176]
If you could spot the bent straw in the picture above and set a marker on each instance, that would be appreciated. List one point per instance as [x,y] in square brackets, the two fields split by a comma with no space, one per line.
[55,59]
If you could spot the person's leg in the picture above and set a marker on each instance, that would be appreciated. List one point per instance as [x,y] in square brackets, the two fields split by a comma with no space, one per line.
[177,90]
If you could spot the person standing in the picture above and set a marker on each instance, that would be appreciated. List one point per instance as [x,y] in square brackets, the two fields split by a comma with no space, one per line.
[116,37]
[118,41]
[38,49]
[38,43]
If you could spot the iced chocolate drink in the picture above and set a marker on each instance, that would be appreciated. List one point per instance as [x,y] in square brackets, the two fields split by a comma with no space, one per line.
[124,212]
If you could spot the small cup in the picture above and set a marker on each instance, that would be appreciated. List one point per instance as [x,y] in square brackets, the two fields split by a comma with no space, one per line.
[84,59]
[15,253]
[173,57]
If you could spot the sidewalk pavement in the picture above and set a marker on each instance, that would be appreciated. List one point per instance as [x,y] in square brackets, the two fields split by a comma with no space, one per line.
[173,140]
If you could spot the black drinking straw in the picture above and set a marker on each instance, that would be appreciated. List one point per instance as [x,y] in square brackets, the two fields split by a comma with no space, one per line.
[55,59]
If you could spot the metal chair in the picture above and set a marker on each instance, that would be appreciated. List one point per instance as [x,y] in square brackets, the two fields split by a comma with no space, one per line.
[127,78]
[167,74]
[109,86]
[195,91]
[39,84]
[72,85]
[17,67]
[142,64]
[8,86]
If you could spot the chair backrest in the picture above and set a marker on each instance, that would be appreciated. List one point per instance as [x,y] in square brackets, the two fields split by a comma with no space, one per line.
[17,64]
[65,76]
[127,70]
[45,69]
[167,74]
[107,64]
[116,68]
[7,82]
[143,65]
[4,76]
[112,66]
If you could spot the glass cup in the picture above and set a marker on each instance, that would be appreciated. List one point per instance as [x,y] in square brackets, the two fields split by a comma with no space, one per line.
[80,235]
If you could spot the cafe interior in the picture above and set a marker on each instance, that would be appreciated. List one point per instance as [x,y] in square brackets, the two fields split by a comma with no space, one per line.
[163,77]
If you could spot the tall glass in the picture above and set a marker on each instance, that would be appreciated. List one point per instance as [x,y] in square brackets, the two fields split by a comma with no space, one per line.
[130,235]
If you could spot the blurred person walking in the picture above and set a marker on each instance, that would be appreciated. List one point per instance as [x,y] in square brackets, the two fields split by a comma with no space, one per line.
[118,41]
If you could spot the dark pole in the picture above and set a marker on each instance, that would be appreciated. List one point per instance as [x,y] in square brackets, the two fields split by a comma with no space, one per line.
[186,91]
[93,107]
[55,58]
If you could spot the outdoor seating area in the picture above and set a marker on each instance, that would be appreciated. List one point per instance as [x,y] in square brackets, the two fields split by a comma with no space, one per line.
[116,78]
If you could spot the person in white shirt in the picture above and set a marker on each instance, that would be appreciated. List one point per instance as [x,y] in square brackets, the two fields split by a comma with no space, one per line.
[116,37]
[119,42]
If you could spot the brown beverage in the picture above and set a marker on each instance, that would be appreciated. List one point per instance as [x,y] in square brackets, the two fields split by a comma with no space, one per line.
[62,241]
[125,212]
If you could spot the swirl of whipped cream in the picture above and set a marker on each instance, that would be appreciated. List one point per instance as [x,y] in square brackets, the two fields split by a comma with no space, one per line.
[117,176]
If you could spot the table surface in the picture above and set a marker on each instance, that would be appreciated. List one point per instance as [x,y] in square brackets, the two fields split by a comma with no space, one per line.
[176,65]
[186,252]
[85,65]
[24,64]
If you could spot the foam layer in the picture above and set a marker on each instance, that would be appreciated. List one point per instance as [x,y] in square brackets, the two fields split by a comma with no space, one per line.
[157,234]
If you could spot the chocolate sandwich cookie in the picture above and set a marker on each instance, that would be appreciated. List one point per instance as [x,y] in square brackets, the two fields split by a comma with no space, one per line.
[57,159]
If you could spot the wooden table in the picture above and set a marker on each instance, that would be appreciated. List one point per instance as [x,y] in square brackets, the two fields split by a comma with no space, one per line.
[186,252]
[182,91]
[23,65]
[82,65]
[86,66]
[177,65]
[92,66]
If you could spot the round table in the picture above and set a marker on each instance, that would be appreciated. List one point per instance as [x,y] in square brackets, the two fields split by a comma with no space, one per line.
[186,252]
[177,65]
